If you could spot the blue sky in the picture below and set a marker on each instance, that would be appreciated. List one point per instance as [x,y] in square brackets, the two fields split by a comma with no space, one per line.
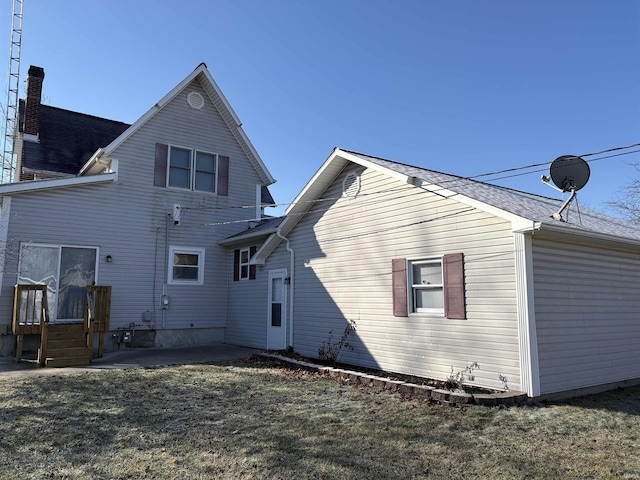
[463,87]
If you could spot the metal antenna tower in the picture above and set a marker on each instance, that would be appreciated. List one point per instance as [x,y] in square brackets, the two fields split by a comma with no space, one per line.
[11,119]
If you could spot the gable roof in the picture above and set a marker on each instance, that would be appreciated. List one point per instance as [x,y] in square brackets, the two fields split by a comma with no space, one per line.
[201,73]
[525,211]
[66,139]
[532,208]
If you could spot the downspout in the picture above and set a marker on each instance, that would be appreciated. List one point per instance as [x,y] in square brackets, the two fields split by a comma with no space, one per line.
[166,268]
[291,285]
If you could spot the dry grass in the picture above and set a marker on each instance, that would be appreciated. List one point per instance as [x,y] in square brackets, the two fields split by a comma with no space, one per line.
[243,420]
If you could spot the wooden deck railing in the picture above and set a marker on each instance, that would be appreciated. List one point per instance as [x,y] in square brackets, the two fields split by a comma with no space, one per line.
[30,312]
[31,316]
[97,314]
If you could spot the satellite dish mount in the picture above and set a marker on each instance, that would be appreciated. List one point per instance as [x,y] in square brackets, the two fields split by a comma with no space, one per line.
[569,173]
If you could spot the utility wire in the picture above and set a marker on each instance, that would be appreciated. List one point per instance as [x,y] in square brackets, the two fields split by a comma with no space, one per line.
[440,183]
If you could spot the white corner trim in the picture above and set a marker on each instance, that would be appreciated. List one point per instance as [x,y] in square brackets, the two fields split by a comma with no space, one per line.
[5,213]
[527,336]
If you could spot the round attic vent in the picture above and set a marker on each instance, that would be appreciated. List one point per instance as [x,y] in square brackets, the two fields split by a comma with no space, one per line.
[195,100]
[351,185]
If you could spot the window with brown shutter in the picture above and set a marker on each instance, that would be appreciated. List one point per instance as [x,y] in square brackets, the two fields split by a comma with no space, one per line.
[432,286]
[242,270]
[191,169]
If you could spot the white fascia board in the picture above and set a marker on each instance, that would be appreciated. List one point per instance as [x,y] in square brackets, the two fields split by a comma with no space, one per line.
[269,180]
[240,239]
[518,223]
[153,110]
[91,162]
[266,249]
[374,166]
[267,177]
[201,69]
[585,233]
[49,184]
[324,176]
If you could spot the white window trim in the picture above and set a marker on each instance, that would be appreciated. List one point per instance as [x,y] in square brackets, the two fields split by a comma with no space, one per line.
[245,264]
[192,169]
[411,286]
[188,250]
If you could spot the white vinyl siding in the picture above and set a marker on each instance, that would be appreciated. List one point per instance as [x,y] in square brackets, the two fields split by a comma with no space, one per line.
[587,304]
[248,303]
[129,221]
[344,248]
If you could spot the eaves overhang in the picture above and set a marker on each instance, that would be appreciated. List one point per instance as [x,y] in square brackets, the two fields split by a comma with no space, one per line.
[576,232]
[244,238]
[54,183]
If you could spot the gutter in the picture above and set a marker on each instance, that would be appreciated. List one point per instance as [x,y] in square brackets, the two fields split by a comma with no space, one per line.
[539,226]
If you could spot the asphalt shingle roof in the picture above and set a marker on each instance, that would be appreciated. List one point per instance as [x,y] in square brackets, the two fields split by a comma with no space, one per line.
[67,139]
[526,205]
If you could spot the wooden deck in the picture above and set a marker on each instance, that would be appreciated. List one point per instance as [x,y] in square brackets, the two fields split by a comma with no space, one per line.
[61,344]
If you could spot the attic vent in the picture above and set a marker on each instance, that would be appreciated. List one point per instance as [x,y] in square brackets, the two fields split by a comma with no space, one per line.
[351,185]
[195,100]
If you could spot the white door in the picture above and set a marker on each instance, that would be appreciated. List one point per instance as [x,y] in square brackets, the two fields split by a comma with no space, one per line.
[276,308]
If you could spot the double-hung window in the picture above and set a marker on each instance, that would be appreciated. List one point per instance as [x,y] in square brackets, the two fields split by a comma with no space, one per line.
[427,288]
[192,169]
[432,285]
[244,264]
[186,265]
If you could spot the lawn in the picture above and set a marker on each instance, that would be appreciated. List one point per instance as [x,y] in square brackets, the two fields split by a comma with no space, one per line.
[248,419]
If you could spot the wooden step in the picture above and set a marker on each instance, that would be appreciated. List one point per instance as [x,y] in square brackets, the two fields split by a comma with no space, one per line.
[67,343]
[65,327]
[67,352]
[66,361]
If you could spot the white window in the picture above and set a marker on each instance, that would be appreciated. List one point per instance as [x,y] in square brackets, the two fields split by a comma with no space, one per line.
[427,288]
[244,264]
[186,265]
[192,169]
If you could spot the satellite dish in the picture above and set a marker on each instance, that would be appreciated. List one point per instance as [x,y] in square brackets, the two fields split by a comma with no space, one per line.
[569,173]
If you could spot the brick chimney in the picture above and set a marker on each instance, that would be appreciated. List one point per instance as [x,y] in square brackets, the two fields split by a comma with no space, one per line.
[35,78]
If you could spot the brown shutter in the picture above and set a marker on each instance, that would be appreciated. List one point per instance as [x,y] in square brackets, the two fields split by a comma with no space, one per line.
[223,175]
[454,302]
[399,285]
[236,265]
[160,169]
